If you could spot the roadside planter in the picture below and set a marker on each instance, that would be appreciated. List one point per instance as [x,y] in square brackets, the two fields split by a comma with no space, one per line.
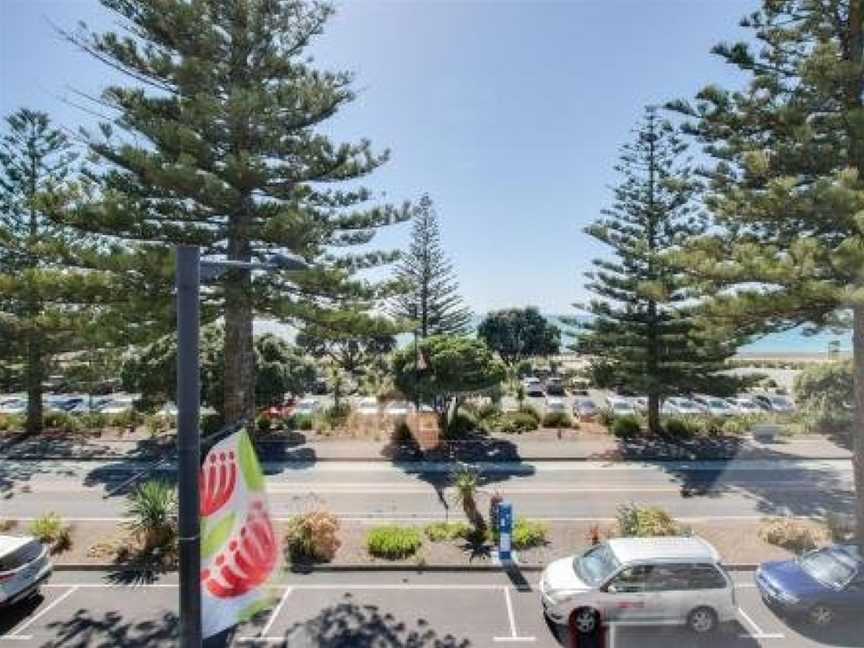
[765,432]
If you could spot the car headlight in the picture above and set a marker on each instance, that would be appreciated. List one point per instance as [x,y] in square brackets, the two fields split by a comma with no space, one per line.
[559,596]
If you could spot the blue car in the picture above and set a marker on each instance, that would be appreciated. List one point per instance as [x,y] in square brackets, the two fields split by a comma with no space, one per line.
[820,585]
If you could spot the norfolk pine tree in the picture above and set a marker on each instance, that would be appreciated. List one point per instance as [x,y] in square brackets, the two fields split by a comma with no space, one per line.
[643,332]
[787,182]
[431,293]
[216,143]
[48,299]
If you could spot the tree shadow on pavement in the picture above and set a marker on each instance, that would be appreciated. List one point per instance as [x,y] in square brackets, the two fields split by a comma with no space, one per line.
[110,630]
[351,625]
[842,632]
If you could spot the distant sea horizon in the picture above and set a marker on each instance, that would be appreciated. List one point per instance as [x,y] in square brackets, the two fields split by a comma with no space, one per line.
[791,342]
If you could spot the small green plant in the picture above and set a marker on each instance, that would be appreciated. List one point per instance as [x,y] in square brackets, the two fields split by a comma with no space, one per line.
[635,521]
[461,425]
[313,536]
[93,420]
[679,428]
[530,411]
[263,423]
[557,420]
[393,542]
[789,534]
[626,427]
[444,531]
[528,533]
[517,423]
[300,422]
[156,425]
[50,530]
[63,422]
[152,513]
[606,417]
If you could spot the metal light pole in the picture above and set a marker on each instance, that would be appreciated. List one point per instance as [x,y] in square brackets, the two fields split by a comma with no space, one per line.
[189,442]
[188,278]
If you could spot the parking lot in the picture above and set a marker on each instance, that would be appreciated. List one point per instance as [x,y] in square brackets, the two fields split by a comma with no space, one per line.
[95,610]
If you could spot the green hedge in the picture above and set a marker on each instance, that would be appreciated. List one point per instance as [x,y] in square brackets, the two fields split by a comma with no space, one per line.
[393,542]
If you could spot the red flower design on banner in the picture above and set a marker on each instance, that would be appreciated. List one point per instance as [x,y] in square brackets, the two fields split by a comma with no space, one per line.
[248,560]
[216,482]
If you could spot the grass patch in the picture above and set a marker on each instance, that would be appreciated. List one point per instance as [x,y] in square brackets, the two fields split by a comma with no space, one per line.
[393,542]
[444,531]
[528,533]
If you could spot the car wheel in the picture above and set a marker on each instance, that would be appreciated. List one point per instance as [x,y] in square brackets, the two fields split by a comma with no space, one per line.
[584,620]
[820,615]
[702,620]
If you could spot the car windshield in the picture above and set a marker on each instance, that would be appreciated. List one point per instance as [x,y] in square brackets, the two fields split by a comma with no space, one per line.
[829,567]
[21,556]
[596,565]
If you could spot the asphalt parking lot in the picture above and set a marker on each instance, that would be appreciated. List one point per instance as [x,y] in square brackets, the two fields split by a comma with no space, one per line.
[97,610]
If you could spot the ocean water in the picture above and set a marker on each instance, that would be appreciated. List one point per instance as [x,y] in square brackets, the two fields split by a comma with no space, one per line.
[787,342]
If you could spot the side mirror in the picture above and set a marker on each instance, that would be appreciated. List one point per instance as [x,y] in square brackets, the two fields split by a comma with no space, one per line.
[611,589]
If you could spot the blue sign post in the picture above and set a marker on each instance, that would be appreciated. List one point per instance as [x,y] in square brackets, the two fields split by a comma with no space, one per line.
[505,531]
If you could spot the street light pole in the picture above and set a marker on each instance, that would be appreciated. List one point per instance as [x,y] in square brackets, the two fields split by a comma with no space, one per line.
[189,442]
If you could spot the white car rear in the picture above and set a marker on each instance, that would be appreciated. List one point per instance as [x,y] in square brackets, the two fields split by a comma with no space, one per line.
[24,567]
[621,406]
[651,581]
[555,405]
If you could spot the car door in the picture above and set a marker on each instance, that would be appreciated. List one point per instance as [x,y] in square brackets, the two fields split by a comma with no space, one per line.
[625,597]
[852,598]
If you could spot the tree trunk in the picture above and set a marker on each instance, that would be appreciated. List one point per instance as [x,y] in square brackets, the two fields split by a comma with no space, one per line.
[239,385]
[35,376]
[653,413]
[858,429]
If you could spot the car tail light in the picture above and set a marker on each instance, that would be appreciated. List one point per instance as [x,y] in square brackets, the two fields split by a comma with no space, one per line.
[4,576]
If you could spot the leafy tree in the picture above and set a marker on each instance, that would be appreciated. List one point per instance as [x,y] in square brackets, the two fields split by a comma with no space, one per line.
[351,350]
[824,394]
[281,369]
[454,366]
[217,141]
[787,180]
[643,334]
[519,333]
[431,293]
[47,301]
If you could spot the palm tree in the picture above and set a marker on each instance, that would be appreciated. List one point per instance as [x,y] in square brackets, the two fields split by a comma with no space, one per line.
[466,481]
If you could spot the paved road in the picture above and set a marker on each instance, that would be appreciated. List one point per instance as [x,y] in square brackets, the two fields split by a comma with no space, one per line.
[551,490]
[356,610]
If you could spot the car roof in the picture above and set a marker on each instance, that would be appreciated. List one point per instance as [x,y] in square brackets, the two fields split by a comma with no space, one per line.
[8,543]
[690,548]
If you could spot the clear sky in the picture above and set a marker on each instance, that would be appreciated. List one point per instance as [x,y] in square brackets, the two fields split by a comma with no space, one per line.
[509,114]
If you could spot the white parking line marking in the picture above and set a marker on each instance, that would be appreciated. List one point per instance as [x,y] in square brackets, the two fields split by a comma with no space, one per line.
[514,634]
[275,613]
[759,634]
[16,635]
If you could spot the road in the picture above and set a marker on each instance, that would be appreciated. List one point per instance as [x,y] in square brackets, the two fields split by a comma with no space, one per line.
[357,610]
[546,490]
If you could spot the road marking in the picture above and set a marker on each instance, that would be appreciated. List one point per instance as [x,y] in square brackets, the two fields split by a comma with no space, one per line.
[514,634]
[759,634]
[16,635]
[275,613]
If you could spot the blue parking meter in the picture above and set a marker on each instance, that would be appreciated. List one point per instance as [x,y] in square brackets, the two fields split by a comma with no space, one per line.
[505,531]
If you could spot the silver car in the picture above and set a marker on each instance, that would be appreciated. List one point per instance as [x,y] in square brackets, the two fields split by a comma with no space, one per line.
[662,581]
[24,566]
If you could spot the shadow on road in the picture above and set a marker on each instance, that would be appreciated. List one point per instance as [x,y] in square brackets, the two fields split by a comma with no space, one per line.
[352,625]
[109,630]
[15,614]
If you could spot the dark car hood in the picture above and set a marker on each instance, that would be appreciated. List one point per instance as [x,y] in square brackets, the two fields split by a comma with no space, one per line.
[790,577]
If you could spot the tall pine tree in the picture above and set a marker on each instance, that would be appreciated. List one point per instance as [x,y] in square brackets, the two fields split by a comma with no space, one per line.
[787,182]
[431,293]
[217,142]
[643,334]
[49,298]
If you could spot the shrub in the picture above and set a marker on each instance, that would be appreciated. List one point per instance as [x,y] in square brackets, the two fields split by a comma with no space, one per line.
[262,423]
[789,534]
[63,421]
[128,419]
[313,536]
[606,417]
[488,411]
[156,425]
[442,531]
[94,420]
[402,434]
[11,422]
[635,521]
[460,426]
[393,542]
[841,527]
[557,420]
[625,427]
[679,428]
[49,529]
[152,513]
[530,411]
[210,423]
[335,417]
[300,422]
[517,423]
[528,533]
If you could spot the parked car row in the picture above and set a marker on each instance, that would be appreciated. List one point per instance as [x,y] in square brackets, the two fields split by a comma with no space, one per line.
[682,581]
[71,403]
[704,404]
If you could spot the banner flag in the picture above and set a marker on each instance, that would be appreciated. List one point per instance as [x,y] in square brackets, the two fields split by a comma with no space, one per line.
[239,547]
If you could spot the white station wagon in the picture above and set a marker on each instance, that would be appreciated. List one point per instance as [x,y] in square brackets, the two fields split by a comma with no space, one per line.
[24,566]
[636,581]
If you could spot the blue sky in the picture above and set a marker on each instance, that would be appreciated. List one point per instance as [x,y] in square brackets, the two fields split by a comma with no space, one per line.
[509,114]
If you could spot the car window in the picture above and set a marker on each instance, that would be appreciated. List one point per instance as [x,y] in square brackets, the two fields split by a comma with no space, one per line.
[20,556]
[632,579]
[685,577]
[596,565]
[829,567]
